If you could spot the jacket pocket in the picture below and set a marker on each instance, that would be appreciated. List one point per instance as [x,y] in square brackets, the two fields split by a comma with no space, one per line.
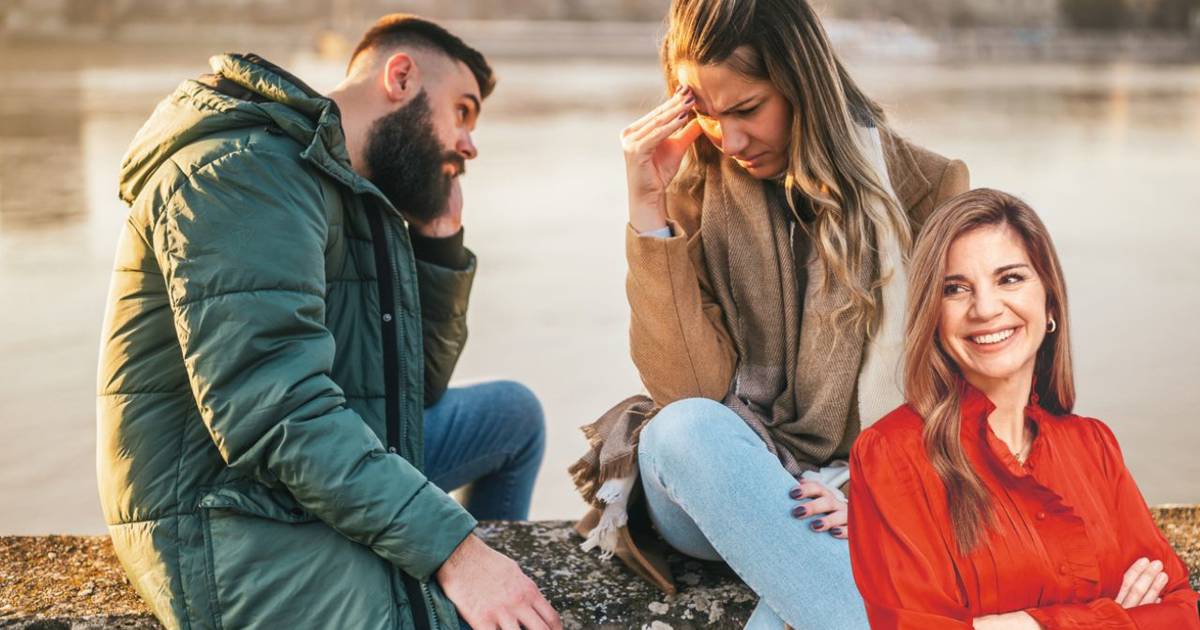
[270,563]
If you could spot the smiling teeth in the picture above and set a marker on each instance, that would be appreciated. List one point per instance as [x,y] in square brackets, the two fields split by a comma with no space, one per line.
[995,337]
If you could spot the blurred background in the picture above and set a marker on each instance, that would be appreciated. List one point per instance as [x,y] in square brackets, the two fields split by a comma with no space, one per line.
[1089,109]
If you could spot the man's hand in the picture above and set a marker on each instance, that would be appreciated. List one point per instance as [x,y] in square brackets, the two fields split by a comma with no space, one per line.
[491,592]
[833,513]
[447,223]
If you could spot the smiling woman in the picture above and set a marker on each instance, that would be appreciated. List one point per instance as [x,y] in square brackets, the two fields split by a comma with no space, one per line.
[984,502]
[994,314]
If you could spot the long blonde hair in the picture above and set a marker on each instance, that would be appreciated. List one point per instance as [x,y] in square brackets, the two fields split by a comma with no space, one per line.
[783,42]
[932,380]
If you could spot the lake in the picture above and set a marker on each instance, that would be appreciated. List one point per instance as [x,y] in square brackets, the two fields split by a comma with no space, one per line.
[1108,154]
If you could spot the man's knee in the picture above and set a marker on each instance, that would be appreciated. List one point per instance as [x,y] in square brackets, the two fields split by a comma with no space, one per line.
[522,411]
[678,433]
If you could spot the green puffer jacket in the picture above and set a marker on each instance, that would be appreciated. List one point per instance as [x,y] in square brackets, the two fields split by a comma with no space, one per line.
[269,345]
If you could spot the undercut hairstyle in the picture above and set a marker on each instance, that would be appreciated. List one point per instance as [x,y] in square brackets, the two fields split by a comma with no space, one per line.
[402,29]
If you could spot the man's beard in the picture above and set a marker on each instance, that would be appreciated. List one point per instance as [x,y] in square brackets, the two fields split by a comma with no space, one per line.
[408,163]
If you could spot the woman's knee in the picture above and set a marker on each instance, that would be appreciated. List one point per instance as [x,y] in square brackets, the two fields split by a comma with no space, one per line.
[679,432]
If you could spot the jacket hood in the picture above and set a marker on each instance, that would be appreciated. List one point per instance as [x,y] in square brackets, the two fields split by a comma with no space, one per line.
[243,91]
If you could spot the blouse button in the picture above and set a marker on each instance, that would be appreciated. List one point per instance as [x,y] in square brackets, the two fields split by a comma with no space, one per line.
[1062,568]
[1041,516]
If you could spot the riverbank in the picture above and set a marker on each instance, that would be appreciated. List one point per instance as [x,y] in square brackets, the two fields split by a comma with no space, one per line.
[75,581]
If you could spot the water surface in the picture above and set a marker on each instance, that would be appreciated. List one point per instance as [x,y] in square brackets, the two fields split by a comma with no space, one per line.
[1109,155]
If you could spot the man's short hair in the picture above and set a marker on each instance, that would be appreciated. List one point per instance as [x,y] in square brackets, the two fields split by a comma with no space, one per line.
[399,29]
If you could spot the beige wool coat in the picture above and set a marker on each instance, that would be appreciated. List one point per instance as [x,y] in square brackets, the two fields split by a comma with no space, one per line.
[677,333]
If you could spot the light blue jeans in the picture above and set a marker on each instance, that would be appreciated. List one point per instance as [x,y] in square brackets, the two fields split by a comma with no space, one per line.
[715,492]
[489,437]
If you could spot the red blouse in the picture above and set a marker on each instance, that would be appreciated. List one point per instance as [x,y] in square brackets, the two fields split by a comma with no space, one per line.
[1069,523]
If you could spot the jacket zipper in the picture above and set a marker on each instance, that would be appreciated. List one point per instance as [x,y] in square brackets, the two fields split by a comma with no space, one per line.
[387,303]
[401,341]
[427,595]
[387,277]
[429,604]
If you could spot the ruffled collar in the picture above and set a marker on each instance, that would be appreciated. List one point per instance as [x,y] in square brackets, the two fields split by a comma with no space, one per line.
[976,407]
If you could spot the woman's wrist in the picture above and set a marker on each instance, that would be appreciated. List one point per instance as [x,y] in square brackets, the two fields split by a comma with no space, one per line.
[647,218]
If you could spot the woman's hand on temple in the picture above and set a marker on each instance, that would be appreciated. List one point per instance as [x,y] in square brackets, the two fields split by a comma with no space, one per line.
[1142,584]
[832,513]
[654,146]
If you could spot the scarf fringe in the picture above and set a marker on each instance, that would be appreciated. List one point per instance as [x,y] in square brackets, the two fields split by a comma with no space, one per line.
[589,474]
[615,494]
[608,485]
[589,477]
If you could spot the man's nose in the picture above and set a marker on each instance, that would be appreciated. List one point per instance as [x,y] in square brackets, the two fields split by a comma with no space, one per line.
[466,147]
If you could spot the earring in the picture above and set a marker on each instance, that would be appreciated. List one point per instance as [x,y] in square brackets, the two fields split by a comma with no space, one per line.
[1053,325]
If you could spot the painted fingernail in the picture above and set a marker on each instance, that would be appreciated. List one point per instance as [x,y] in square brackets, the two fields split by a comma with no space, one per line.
[800,511]
[836,531]
[796,493]
[680,89]
[681,116]
[689,100]
[817,524]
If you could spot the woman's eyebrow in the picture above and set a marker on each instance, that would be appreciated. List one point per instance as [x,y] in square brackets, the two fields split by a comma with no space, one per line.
[740,103]
[736,105]
[1000,270]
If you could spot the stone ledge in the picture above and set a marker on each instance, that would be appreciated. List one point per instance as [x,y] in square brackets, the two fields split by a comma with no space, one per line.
[75,582]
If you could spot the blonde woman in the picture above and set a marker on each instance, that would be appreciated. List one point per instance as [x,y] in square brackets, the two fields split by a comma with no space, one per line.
[770,211]
[985,502]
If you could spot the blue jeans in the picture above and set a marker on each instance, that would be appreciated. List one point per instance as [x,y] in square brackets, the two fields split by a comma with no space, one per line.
[491,437]
[715,492]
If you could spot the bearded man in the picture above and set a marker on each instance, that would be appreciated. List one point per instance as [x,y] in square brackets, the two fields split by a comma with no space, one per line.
[276,432]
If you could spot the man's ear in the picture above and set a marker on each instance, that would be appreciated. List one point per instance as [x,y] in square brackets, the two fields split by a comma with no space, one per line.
[401,78]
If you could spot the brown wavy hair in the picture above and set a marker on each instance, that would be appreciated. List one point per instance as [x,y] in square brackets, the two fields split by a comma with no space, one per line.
[933,381]
[783,42]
